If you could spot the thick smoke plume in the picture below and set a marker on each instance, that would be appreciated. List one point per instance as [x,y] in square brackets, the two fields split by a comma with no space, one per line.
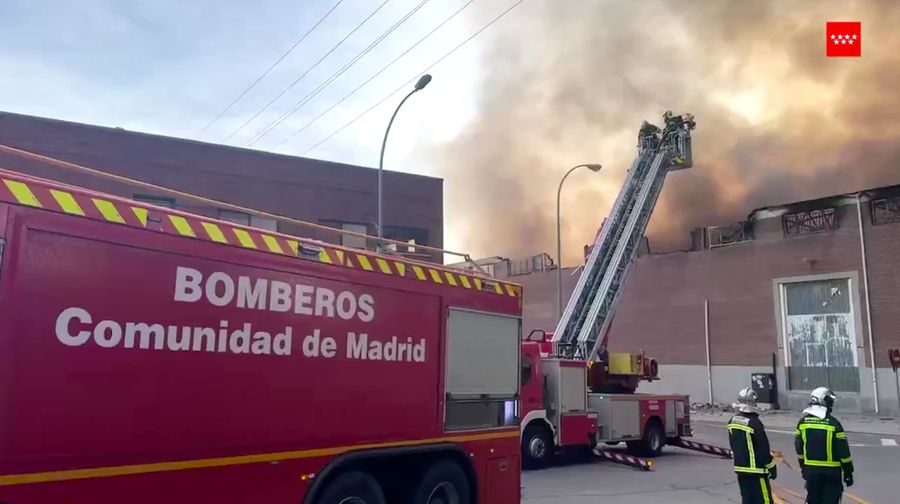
[568,82]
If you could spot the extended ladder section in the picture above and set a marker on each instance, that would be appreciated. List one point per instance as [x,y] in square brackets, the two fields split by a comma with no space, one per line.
[590,309]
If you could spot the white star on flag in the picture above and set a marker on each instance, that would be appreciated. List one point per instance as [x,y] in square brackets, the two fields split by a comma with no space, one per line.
[840,37]
[851,42]
[854,36]
[832,36]
[843,41]
[836,42]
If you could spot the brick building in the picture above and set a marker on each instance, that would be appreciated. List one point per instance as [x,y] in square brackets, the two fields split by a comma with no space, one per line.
[784,290]
[334,194]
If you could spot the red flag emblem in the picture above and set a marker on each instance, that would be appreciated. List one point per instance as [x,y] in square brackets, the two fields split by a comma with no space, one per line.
[843,39]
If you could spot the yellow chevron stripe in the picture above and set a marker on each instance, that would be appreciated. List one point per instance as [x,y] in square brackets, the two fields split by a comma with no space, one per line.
[340,256]
[511,290]
[420,273]
[22,193]
[323,256]
[182,226]
[364,262]
[465,281]
[108,210]
[141,214]
[478,284]
[450,278]
[294,245]
[67,202]
[435,276]
[401,268]
[214,232]
[384,266]
[272,243]
[245,238]
[497,288]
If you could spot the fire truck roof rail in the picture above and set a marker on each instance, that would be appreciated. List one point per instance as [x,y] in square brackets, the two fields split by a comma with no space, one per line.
[222,204]
[22,189]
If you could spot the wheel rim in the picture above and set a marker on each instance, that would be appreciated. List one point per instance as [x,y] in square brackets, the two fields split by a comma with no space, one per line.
[537,447]
[352,500]
[443,493]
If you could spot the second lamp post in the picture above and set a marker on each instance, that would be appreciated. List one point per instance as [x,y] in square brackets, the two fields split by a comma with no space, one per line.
[559,303]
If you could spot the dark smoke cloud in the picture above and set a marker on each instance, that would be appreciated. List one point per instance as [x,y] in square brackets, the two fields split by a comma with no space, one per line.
[567,82]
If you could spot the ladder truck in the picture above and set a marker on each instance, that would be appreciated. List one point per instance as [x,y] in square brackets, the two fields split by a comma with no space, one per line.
[574,392]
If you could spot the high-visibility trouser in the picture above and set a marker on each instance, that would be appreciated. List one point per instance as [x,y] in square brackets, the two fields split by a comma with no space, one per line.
[755,489]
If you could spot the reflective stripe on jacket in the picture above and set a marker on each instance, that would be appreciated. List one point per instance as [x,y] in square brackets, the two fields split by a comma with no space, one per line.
[822,442]
[749,444]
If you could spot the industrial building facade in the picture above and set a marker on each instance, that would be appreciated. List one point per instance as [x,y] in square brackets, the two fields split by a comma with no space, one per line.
[333,194]
[791,291]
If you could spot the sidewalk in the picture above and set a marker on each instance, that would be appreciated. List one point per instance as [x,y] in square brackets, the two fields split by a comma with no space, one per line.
[784,419]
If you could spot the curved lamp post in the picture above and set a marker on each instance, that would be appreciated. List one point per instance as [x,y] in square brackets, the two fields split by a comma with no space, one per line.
[420,85]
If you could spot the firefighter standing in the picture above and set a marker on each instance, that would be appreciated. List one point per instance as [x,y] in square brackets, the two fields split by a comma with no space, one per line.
[753,461]
[823,450]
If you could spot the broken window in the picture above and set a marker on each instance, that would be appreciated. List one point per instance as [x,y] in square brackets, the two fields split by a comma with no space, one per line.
[886,210]
[813,221]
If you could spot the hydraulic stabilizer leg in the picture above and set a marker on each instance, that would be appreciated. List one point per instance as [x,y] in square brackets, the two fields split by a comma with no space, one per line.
[702,447]
[624,459]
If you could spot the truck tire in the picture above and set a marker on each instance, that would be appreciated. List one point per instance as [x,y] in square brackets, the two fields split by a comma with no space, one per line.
[442,483]
[352,487]
[537,446]
[653,441]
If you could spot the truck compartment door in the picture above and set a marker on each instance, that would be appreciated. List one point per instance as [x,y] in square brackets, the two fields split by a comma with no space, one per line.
[671,423]
[482,369]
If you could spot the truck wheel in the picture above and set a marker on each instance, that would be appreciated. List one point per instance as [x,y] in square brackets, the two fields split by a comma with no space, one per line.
[443,483]
[654,439]
[537,446]
[353,487]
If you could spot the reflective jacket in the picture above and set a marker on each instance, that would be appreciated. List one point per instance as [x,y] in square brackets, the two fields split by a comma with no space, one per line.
[749,444]
[822,443]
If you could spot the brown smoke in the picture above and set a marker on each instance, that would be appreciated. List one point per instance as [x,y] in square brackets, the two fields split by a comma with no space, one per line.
[568,82]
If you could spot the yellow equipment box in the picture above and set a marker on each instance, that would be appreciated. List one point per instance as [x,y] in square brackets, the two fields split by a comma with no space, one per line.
[623,363]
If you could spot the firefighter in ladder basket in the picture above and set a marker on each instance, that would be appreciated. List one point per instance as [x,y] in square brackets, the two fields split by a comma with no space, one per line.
[823,450]
[753,460]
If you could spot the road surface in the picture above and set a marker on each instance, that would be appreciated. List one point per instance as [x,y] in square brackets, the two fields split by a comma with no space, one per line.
[681,476]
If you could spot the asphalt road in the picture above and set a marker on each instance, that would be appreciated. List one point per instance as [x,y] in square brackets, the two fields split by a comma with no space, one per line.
[682,476]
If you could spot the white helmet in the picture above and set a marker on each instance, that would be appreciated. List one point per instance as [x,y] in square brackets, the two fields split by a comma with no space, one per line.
[822,396]
[746,401]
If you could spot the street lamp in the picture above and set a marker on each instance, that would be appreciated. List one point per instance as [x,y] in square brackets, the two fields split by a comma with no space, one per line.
[420,85]
[559,303]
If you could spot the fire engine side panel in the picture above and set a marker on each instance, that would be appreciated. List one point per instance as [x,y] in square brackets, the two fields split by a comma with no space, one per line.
[293,375]
[313,360]
[624,416]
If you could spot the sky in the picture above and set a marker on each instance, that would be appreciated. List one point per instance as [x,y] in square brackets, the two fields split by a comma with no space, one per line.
[551,84]
[169,67]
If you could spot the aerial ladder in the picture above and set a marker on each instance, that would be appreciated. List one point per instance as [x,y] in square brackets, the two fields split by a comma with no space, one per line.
[588,314]
[558,411]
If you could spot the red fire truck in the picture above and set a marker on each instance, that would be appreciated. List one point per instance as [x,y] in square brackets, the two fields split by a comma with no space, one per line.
[149,355]
[574,392]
